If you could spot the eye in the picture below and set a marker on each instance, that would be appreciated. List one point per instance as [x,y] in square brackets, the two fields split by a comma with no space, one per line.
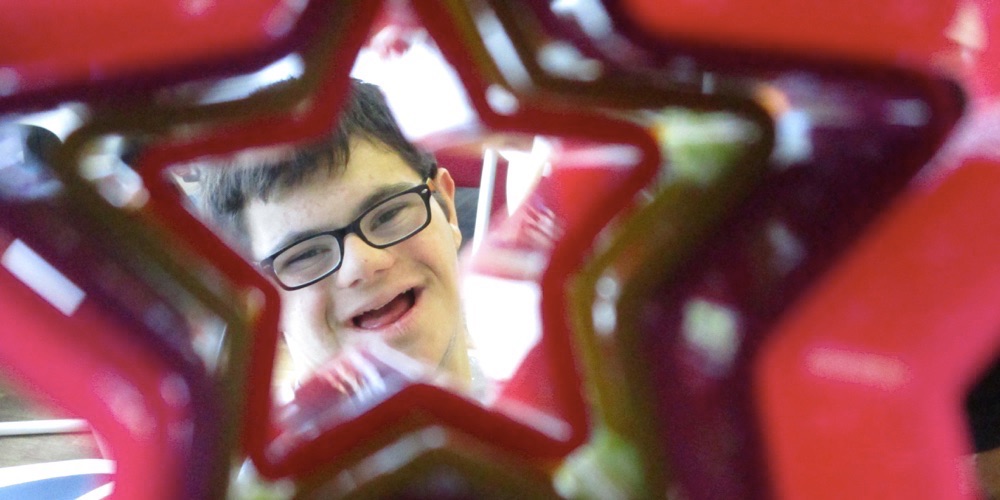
[390,214]
[387,215]
[394,219]
[306,259]
[306,256]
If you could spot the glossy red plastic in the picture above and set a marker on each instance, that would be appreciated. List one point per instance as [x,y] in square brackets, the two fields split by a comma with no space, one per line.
[200,33]
[135,305]
[97,371]
[436,462]
[68,48]
[975,33]
[437,404]
[167,206]
[891,32]
[861,386]
[697,329]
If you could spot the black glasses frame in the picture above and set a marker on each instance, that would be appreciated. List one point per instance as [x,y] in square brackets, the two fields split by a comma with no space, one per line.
[424,190]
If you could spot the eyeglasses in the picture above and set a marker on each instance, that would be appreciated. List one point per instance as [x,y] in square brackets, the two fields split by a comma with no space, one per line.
[391,221]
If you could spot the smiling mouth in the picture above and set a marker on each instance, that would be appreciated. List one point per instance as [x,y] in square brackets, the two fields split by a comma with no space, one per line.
[388,313]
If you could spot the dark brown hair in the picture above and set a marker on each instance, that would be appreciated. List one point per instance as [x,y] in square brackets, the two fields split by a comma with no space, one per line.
[227,186]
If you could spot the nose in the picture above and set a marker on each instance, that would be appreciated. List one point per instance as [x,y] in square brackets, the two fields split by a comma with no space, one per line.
[361,263]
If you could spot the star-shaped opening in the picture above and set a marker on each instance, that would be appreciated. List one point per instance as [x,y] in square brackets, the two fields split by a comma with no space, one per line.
[565,249]
[563,399]
[209,245]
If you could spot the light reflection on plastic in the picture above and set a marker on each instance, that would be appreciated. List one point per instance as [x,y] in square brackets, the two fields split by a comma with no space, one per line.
[788,250]
[554,427]
[126,401]
[589,14]
[907,112]
[175,392]
[502,49]
[116,182]
[197,7]
[865,368]
[693,140]
[231,89]
[968,29]
[602,157]
[792,143]
[563,59]
[40,276]
[501,101]
[10,81]
[61,121]
[386,460]
[281,21]
[11,147]
[604,313]
[22,176]
[712,329]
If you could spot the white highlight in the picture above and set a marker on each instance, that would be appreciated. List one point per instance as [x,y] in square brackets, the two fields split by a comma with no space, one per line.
[712,329]
[501,101]
[863,368]
[40,276]
[484,206]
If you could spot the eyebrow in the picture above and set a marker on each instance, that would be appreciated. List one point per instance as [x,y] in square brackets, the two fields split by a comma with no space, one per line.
[373,198]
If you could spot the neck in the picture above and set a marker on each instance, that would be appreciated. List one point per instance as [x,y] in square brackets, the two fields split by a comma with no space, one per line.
[455,360]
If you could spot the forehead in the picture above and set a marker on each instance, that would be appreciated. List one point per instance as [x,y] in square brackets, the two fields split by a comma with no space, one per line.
[326,199]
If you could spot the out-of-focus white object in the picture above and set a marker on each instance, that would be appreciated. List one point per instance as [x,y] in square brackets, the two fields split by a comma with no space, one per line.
[423,91]
[504,321]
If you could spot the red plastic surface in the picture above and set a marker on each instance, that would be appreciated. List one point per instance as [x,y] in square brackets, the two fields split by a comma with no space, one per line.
[899,368]
[94,370]
[744,276]
[168,207]
[893,32]
[141,314]
[975,31]
[861,387]
[440,405]
[79,43]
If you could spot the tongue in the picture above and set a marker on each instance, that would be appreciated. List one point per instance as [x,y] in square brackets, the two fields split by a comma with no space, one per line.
[386,314]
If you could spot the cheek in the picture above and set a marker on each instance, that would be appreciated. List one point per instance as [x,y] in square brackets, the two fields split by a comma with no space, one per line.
[304,328]
[302,312]
[456,234]
[441,253]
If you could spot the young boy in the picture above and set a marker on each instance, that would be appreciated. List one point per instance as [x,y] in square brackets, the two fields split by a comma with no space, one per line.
[359,231]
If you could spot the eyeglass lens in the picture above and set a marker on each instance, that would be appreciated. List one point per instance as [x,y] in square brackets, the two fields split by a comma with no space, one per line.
[386,224]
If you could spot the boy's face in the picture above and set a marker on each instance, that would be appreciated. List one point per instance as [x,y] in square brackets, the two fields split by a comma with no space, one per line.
[406,294]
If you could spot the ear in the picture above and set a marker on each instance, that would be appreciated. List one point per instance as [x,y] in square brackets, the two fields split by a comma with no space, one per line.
[446,191]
